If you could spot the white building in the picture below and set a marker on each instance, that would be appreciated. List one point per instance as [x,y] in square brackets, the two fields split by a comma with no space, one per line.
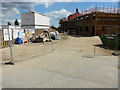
[34,20]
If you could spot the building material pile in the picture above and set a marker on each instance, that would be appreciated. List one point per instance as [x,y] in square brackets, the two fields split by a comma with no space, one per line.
[46,36]
[54,34]
[43,37]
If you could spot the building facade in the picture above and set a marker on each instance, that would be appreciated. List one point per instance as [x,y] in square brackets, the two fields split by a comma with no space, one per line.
[97,23]
[92,23]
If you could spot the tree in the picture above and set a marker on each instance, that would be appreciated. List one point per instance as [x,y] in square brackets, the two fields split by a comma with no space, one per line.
[9,23]
[16,22]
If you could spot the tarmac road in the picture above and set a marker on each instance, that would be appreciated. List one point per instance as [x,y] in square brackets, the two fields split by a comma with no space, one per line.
[72,65]
[62,70]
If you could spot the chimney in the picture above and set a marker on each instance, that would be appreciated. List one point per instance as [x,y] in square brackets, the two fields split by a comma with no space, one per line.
[77,10]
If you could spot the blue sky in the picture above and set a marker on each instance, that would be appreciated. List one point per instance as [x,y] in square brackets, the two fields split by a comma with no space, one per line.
[54,10]
[71,6]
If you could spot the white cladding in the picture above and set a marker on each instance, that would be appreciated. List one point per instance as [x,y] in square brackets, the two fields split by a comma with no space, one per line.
[34,20]
[41,20]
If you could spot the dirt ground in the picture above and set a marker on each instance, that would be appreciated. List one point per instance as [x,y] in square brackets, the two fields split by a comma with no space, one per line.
[82,45]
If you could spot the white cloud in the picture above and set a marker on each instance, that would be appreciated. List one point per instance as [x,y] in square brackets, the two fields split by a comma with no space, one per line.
[14,12]
[56,15]
[47,4]
[9,10]
[26,5]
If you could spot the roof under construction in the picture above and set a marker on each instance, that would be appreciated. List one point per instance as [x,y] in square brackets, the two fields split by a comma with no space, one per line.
[112,11]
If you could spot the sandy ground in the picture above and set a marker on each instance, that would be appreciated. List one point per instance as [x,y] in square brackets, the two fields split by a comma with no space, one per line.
[85,46]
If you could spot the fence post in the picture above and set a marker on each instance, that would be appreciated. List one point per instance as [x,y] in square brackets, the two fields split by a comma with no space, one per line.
[11,54]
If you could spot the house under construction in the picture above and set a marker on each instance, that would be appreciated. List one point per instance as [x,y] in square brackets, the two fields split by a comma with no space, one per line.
[92,23]
[97,23]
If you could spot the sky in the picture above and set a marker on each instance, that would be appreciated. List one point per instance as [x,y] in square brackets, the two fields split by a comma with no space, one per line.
[56,10]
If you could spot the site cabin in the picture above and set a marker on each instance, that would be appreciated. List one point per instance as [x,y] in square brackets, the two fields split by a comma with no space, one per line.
[34,20]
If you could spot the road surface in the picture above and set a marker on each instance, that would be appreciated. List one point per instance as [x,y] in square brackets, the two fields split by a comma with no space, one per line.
[63,68]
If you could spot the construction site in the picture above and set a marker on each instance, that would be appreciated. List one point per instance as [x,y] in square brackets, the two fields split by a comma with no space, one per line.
[81,53]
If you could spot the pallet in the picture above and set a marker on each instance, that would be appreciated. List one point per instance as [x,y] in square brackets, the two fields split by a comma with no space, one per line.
[5,44]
